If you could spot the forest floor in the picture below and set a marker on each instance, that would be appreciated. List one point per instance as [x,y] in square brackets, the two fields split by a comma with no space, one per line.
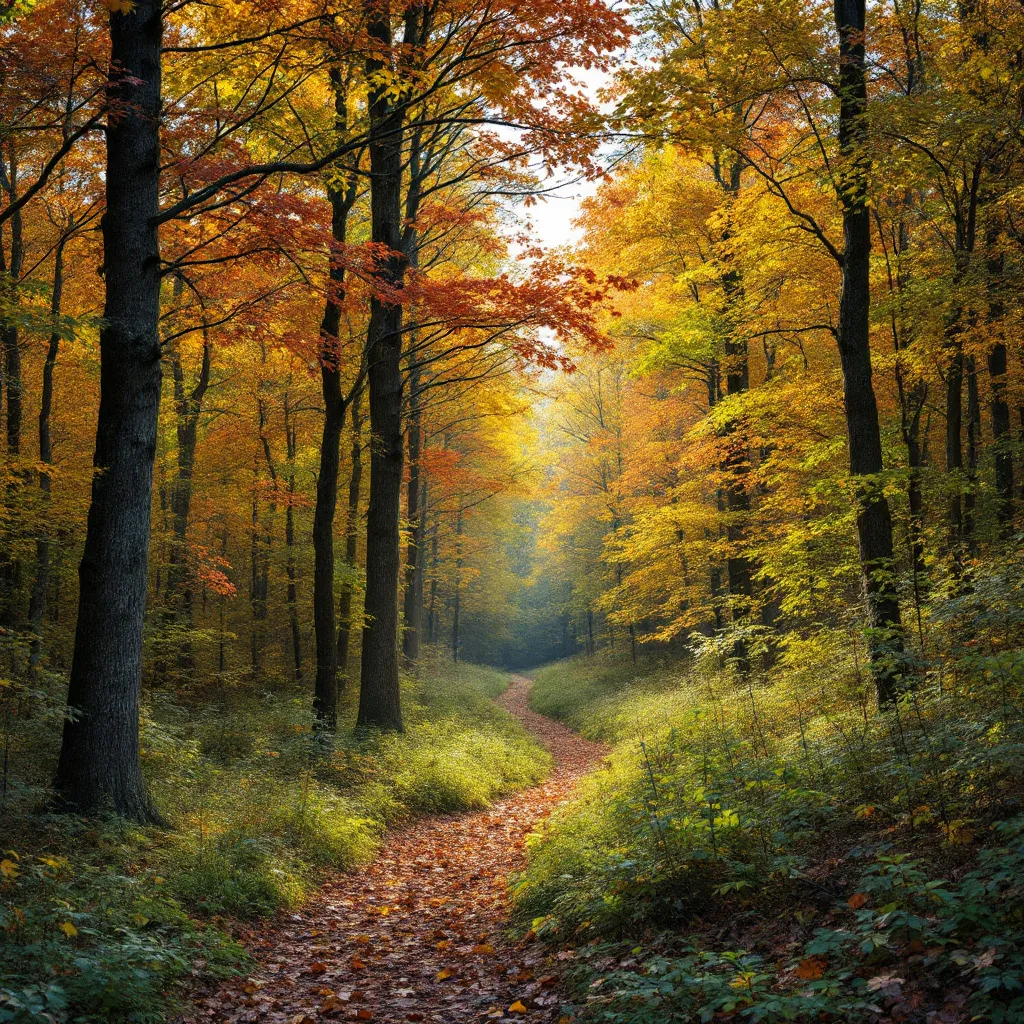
[418,934]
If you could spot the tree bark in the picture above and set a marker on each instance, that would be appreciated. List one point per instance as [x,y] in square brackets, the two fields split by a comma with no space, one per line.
[41,580]
[457,603]
[188,407]
[874,521]
[736,464]
[10,566]
[99,758]
[291,443]
[379,695]
[325,686]
[413,604]
[973,445]
[999,409]
[351,535]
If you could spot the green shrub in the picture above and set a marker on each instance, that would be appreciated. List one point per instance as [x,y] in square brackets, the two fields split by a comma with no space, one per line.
[93,941]
[732,800]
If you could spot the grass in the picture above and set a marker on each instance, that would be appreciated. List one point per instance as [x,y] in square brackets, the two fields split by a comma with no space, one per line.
[771,847]
[101,921]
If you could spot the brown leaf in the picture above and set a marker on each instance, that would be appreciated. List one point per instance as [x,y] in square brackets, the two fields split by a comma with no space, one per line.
[812,968]
[857,900]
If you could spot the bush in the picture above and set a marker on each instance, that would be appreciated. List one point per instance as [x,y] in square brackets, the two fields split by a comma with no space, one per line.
[749,805]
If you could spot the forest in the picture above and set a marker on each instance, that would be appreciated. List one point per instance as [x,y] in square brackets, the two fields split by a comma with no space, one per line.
[512,510]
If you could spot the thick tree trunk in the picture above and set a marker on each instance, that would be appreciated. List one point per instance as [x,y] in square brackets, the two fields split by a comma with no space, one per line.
[379,695]
[99,757]
[351,536]
[874,522]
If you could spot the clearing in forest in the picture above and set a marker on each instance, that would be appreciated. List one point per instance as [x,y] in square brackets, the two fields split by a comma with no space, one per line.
[417,934]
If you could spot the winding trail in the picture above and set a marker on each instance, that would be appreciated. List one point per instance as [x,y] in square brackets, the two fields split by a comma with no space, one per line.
[416,935]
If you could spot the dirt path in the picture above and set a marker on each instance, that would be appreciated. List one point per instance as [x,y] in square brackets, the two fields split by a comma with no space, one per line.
[416,935]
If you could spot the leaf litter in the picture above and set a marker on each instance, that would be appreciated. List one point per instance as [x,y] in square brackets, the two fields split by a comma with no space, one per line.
[418,934]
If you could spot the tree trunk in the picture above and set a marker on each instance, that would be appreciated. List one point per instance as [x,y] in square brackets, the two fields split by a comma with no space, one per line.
[736,465]
[973,444]
[41,580]
[99,757]
[874,522]
[379,695]
[188,408]
[413,605]
[434,558]
[351,536]
[10,566]
[262,539]
[325,686]
[999,409]
[456,604]
[291,442]
[954,448]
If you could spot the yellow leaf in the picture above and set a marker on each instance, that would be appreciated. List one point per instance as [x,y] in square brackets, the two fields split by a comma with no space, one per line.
[517,1007]
[121,6]
[444,974]
[483,947]
[69,929]
[9,869]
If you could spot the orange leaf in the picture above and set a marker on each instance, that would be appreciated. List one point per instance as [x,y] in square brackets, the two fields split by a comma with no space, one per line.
[484,947]
[857,900]
[444,975]
[811,969]
[357,964]
[517,1007]
[364,1014]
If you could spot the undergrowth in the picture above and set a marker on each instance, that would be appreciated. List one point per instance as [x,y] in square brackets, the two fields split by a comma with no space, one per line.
[773,848]
[101,921]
